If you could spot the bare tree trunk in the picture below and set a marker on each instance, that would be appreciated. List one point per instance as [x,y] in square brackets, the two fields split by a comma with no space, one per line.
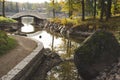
[94,14]
[70,8]
[108,13]
[53,8]
[102,9]
[53,42]
[83,10]
[3,8]
[17,7]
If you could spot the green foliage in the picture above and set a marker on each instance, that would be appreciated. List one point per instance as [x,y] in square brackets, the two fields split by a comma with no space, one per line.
[116,7]
[89,7]
[73,6]
[65,21]
[6,43]
[54,5]
[3,38]
[6,20]
[112,25]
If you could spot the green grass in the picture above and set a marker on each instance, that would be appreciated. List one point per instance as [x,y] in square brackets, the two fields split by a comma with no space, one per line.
[6,20]
[6,43]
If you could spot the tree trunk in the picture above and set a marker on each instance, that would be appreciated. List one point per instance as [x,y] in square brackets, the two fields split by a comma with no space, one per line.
[17,7]
[83,10]
[53,9]
[70,8]
[94,14]
[108,13]
[102,9]
[3,8]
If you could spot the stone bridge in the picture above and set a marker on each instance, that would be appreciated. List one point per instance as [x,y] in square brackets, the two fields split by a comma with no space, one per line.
[38,17]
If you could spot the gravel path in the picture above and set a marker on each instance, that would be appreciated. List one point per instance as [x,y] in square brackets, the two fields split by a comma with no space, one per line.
[13,57]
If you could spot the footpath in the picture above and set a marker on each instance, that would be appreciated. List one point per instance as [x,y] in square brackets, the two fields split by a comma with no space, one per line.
[12,58]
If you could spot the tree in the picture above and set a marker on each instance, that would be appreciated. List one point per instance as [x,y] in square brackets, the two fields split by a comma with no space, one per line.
[94,13]
[70,8]
[89,8]
[83,10]
[53,2]
[102,3]
[53,6]
[105,9]
[108,12]
[3,7]
[0,6]
[17,7]
[116,7]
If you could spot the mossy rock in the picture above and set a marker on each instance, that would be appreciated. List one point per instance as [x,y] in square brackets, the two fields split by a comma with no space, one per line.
[96,53]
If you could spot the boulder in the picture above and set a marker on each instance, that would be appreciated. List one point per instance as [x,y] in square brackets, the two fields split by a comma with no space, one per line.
[96,53]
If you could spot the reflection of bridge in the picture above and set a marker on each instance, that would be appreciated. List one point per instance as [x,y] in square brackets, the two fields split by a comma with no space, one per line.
[36,15]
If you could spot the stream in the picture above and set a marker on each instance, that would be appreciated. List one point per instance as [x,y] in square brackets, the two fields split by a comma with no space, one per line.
[64,47]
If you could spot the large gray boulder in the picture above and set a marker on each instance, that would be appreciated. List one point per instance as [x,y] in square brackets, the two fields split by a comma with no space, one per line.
[96,53]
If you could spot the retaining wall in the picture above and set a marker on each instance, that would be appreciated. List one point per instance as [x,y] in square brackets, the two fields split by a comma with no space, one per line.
[27,66]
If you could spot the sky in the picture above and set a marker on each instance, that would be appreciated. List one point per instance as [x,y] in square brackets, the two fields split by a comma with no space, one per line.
[30,1]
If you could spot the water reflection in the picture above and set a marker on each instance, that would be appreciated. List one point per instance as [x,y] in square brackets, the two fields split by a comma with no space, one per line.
[47,39]
[65,48]
[66,70]
[52,43]
[27,27]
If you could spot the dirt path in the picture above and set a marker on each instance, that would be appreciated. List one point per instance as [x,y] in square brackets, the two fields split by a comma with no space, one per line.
[9,60]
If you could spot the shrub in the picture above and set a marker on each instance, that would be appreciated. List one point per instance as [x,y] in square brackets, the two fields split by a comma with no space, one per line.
[6,43]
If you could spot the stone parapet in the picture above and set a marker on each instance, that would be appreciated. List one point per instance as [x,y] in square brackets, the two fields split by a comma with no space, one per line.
[27,66]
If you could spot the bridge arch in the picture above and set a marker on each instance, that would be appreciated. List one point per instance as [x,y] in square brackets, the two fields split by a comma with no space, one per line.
[38,17]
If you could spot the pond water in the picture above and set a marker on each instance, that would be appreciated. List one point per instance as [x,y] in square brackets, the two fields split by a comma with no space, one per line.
[64,47]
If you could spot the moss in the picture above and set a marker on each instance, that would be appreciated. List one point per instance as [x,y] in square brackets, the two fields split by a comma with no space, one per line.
[96,46]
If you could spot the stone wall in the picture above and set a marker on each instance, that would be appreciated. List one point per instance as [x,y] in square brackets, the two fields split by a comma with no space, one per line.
[11,27]
[35,66]
[27,66]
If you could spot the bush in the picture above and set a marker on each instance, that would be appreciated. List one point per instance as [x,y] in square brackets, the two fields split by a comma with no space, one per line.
[6,43]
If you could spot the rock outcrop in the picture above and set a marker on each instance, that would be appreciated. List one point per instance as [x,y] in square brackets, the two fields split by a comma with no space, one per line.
[97,53]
